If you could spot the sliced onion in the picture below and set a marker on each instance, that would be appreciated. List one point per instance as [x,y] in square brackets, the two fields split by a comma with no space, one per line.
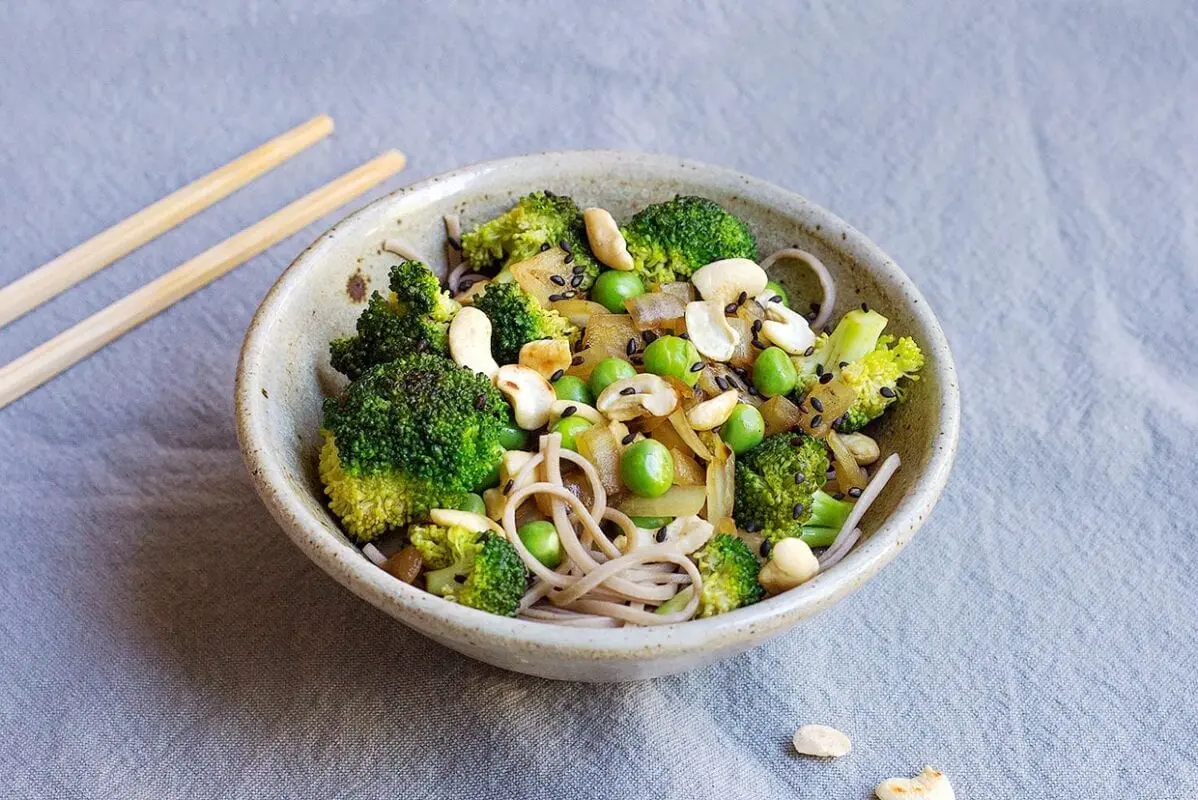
[848,473]
[579,312]
[833,555]
[402,249]
[687,471]
[374,554]
[780,415]
[655,311]
[688,436]
[683,290]
[678,501]
[826,283]
[721,485]
[599,445]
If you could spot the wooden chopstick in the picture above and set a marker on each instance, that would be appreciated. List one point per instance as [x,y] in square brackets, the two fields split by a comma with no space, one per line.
[71,346]
[35,288]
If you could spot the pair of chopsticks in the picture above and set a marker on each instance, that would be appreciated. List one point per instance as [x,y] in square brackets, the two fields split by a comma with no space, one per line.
[71,346]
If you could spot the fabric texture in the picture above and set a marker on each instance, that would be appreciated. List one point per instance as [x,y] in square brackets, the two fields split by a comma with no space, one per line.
[1032,167]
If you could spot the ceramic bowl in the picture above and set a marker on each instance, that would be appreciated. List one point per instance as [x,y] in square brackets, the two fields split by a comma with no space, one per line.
[284,374]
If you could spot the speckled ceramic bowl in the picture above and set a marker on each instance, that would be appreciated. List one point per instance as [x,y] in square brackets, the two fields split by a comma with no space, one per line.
[284,374]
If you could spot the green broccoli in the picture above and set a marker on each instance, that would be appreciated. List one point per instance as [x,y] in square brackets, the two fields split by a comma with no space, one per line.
[875,378]
[414,318]
[538,220]
[408,436]
[862,357]
[669,241]
[775,482]
[729,571]
[485,572]
[517,319]
[432,541]
[825,520]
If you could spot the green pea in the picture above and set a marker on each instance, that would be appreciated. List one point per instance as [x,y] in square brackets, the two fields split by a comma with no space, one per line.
[572,387]
[607,372]
[647,468]
[673,355]
[513,438]
[774,373]
[491,479]
[542,541]
[473,502]
[613,287]
[651,523]
[776,288]
[569,427]
[744,430]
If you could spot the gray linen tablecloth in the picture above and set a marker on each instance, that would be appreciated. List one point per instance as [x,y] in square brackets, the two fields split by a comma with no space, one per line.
[1034,170]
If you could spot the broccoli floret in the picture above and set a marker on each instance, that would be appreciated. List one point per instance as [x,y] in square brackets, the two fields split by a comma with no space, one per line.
[729,571]
[875,378]
[537,220]
[872,368]
[408,436]
[669,241]
[432,541]
[414,318]
[826,519]
[517,319]
[775,482]
[486,573]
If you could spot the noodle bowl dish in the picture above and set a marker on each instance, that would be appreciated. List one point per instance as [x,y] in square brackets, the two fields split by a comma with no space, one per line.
[597,415]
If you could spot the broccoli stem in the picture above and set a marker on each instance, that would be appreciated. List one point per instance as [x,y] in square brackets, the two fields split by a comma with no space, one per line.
[677,602]
[445,581]
[856,335]
[827,518]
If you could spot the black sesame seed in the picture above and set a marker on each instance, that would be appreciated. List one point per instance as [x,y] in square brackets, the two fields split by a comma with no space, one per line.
[460,578]
[741,298]
[549,194]
[886,391]
[661,534]
[838,496]
[507,487]
[630,348]
[569,259]
[480,402]
[628,390]
[576,361]
[563,244]
[558,375]
[796,442]
[568,411]
[865,307]
[637,359]
[558,279]
[582,332]
[576,281]
[800,477]
[684,335]
[697,366]
[854,492]
[421,346]
[776,298]
[819,369]
[817,420]
[830,474]
[766,547]
[817,404]
[826,377]
[544,246]
[753,391]
[810,351]
[730,309]
[649,336]
[463,286]
[553,298]
[757,325]
[629,439]
[722,383]
[760,345]
[579,269]
[797,511]
[752,527]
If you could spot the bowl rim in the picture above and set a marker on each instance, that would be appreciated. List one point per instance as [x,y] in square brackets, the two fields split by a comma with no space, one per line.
[346,564]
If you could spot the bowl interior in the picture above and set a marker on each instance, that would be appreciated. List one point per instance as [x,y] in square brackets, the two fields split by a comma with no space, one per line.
[285,369]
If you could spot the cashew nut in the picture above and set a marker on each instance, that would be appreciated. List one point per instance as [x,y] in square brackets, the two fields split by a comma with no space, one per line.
[546,356]
[470,341]
[453,518]
[785,327]
[863,449]
[607,243]
[791,563]
[530,394]
[709,330]
[714,412]
[581,410]
[931,784]
[821,741]
[638,396]
[723,281]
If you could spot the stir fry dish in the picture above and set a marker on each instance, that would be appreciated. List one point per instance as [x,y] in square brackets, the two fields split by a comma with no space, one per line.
[598,425]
